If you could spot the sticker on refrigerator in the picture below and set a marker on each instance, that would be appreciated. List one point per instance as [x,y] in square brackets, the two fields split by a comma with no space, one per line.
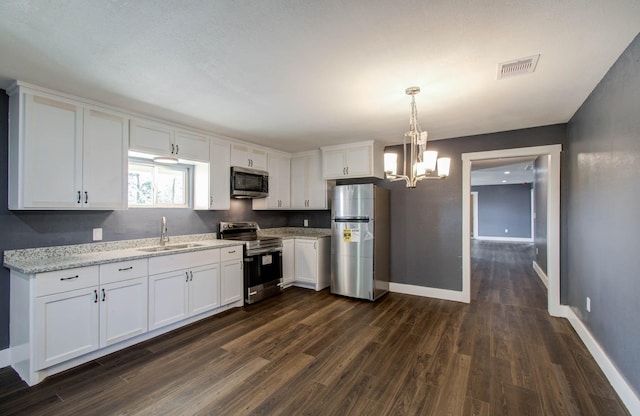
[350,235]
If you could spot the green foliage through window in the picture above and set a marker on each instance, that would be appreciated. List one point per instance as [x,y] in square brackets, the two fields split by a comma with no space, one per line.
[156,185]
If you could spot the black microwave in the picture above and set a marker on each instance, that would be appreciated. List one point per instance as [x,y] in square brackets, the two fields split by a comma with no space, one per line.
[249,183]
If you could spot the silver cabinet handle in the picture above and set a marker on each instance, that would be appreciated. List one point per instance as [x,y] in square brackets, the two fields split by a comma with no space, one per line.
[231,251]
[69,278]
[125,269]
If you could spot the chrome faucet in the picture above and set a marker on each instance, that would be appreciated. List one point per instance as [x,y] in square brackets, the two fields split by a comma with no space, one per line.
[164,234]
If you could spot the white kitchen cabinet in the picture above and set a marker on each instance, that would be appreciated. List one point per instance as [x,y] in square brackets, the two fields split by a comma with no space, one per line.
[190,286]
[64,154]
[308,189]
[123,301]
[279,168]
[204,288]
[219,175]
[312,262]
[231,275]
[248,157]
[66,315]
[66,326]
[157,139]
[288,261]
[355,160]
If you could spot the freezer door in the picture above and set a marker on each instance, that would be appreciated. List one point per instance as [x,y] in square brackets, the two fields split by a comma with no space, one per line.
[352,245]
[352,201]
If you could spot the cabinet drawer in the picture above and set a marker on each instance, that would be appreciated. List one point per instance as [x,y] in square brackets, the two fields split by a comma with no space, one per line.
[181,261]
[231,253]
[123,270]
[65,280]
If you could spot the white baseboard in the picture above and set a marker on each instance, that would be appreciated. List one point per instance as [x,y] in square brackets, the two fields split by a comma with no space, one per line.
[427,292]
[506,239]
[5,358]
[617,380]
[541,274]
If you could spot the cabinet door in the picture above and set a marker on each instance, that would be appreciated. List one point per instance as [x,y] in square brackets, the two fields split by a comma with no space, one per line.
[333,164]
[317,195]
[288,261]
[231,282]
[306,261]
[358,161]
[123,310]
[52,160]
[66,326]
[219,168]
[299,182]
[204,288]
[279,184]
[168,298]
[191,146]
[105,160]
[152,138]
[248,157]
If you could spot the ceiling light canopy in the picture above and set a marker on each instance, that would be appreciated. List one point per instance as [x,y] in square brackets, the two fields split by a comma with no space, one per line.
[423,162]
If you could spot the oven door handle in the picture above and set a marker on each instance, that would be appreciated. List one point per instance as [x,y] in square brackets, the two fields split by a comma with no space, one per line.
[257,252]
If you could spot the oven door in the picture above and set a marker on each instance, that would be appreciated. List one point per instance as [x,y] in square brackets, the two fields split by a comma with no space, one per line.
[262,275]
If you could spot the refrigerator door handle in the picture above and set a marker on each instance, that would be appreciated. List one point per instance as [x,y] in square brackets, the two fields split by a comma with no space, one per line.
[351,219]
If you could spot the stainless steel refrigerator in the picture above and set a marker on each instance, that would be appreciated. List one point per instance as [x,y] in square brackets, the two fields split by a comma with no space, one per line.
[360,241]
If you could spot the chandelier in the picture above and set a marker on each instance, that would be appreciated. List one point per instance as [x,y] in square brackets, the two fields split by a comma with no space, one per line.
[423,162]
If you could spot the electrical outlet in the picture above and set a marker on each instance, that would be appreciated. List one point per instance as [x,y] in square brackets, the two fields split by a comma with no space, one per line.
[506,231]
[536,251]
[306,223]
[97,234]
[588,304]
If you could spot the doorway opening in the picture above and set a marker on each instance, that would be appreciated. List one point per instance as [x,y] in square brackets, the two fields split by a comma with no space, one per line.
[552,210]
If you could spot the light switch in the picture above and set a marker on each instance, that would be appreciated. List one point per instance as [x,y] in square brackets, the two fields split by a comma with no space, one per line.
[97,234]
[306,223]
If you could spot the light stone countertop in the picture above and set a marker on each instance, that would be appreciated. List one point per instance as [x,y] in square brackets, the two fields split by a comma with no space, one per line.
[296,232]
[46,259]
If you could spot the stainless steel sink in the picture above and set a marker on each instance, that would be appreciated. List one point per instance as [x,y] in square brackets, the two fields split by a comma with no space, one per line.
[168,247]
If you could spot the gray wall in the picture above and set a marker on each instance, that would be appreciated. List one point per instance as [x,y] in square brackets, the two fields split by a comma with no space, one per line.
[426,222]
[504,207]
[540,194]
[603,227]
[24,229]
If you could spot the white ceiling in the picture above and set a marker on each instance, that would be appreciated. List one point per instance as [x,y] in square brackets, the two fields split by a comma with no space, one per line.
[505,171]
[295,75]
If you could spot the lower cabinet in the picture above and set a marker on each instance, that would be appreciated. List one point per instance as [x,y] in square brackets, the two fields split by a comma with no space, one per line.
[177,295]
[66,326]
[123,310]
[231,275]
[307,262]
[288,262]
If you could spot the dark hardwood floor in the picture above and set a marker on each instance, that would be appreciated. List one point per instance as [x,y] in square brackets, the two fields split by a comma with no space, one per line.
[313,353]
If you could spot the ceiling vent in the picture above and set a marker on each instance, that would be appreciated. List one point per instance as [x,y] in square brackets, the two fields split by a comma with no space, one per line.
[517,67]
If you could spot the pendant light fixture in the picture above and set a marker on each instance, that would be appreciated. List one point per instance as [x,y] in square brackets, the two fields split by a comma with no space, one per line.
[423,162]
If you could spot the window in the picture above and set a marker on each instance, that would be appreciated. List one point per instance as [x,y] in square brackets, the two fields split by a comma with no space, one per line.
[156,185]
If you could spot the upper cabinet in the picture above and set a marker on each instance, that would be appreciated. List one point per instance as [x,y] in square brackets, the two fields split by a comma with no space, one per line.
[248,157]
[163,140]
[354,160]
[308,189]
[64,154]
[219,175]
[279,168]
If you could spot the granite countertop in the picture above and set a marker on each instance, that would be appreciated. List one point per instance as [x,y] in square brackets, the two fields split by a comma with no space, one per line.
[296,232]
[46,259]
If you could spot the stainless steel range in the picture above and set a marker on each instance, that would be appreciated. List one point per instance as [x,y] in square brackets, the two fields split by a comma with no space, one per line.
[262,259]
